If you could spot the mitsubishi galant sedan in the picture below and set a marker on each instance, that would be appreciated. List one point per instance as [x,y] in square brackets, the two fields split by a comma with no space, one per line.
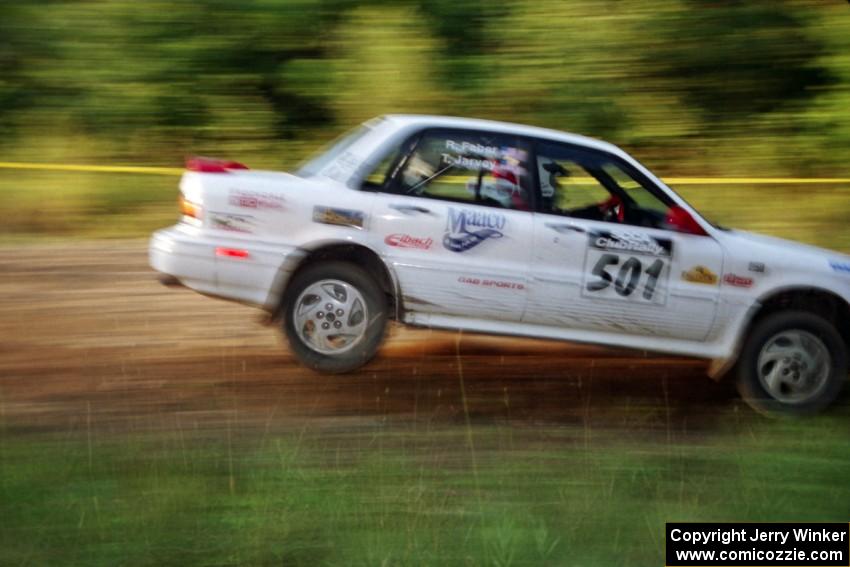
[500,228]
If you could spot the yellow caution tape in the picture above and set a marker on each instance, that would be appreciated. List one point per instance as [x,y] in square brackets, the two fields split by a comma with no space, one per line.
[148,170]
[93,168]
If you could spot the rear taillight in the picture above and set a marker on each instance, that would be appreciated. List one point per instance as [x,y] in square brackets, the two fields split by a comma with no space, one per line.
[232,253]
[190,209]
[212,165]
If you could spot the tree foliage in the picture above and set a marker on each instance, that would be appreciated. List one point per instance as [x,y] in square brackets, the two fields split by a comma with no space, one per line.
[690,84]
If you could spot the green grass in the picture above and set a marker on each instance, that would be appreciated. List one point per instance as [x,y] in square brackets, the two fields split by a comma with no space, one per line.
[76,204]
[394,496]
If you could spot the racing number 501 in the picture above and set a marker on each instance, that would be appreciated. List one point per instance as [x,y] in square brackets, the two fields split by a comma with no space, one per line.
[628,276]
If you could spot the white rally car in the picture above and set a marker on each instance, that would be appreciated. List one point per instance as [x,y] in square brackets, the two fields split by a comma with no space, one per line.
[514,230]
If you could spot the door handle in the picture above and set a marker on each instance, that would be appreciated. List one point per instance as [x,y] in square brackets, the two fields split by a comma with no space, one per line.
[410,209]
[564,228]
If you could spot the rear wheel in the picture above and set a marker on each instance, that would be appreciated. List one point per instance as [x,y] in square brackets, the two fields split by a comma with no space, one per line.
[334,316]
[793,363]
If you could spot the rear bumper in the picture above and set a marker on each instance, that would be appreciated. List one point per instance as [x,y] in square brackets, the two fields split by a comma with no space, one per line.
[199,260]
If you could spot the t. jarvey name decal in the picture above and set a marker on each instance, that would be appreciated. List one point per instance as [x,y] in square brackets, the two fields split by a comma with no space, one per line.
[467,229]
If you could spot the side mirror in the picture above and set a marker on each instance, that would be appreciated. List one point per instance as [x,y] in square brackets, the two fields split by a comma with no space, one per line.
[680,220]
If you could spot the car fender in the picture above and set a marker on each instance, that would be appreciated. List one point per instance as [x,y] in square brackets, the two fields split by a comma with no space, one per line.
[304,251]
[737,333]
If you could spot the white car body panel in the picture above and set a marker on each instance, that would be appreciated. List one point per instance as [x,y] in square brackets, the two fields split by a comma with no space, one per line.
[530,281]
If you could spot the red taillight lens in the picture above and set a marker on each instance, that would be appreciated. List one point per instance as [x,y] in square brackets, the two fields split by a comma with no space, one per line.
[231,252]
[212,165]
[189,209]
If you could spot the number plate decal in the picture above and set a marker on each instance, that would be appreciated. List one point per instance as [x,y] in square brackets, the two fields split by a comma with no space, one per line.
[627,266]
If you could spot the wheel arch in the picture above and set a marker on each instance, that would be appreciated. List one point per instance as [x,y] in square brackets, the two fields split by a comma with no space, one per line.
[339,250]
[812,299]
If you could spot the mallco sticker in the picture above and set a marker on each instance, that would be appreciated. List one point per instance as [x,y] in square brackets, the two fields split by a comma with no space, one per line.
[700,275]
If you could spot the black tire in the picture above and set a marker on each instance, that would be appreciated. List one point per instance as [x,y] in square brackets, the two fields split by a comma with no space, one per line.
[755,392]
[376,306]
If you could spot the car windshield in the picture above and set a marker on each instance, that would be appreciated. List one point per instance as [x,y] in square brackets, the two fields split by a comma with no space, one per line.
[329,153]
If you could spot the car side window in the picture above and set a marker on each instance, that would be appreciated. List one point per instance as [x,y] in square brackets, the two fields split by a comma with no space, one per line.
[467,167]
[379,176]
[642,197]
[583,183]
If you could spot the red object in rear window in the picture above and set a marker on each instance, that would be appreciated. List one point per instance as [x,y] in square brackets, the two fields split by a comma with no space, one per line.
[681,220]
[212,165]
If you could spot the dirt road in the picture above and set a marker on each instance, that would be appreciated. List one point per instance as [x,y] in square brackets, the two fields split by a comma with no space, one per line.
[89,338]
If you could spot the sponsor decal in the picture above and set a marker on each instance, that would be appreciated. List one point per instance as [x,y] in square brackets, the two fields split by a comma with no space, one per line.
[483,282]
[843,267]
[255,199]
[634,242]
[467,229]
[737,281]
[407,241]
[756,267]
[700,275]
[341,217]
[231,222]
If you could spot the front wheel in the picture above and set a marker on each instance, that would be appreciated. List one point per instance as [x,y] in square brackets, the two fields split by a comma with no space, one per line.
[334,316]
[793,363]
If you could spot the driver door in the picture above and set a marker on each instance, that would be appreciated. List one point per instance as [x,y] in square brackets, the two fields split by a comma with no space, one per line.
[604,259]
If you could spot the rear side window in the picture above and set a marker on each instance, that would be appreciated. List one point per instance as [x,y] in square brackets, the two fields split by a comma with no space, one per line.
[469,167]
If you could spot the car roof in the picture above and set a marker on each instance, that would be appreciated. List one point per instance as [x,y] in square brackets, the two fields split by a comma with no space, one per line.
[433,121]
